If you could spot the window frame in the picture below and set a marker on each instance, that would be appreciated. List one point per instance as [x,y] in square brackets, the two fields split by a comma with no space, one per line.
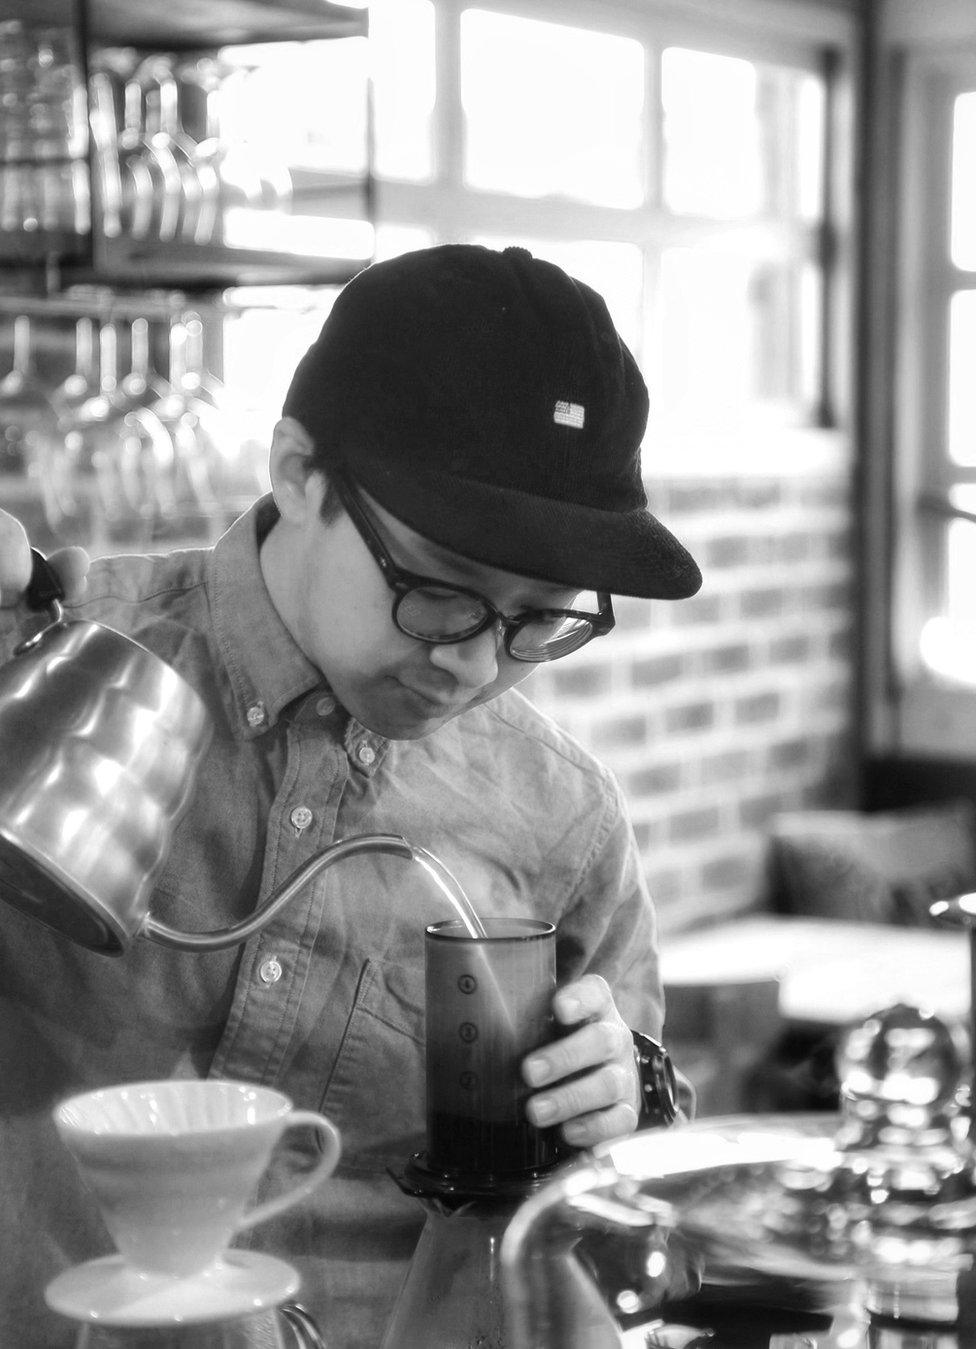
[820,37]
[910,709]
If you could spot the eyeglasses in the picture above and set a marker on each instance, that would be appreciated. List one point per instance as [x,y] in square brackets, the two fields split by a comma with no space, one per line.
[435,611]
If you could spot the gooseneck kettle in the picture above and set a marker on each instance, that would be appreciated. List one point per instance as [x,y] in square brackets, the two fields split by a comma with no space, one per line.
[100,744]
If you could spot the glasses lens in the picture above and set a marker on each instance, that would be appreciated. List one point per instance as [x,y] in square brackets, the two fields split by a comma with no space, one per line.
[549,638]
[438,613]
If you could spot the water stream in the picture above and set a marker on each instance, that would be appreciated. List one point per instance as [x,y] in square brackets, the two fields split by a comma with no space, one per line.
[450,888]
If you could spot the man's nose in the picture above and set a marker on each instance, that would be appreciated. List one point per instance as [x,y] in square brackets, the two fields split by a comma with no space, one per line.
[473,662]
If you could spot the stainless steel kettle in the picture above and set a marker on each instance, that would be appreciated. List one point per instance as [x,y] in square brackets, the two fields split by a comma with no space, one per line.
[100,743]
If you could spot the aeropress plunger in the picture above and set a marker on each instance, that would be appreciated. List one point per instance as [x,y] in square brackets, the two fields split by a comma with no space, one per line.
[489,1003]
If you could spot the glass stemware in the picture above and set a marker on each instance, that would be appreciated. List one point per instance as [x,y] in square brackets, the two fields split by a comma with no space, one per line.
[28,423]
[148,453]
[28,429]
[148,193]
[188,417]
[66,514]
[225,424]
[164,126]
[43,174]
[120,455]
[249,181]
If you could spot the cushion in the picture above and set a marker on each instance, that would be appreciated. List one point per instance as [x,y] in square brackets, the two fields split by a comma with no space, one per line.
[885,867]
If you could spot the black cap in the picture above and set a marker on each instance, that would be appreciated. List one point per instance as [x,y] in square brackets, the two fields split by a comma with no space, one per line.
[486,400]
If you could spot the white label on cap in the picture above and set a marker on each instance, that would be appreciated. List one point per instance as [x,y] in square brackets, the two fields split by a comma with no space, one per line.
[569,414]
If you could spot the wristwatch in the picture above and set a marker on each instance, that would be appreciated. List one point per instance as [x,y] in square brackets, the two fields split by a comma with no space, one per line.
[659,1091]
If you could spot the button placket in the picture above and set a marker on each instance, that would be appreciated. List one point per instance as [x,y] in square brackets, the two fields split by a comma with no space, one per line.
[275,967]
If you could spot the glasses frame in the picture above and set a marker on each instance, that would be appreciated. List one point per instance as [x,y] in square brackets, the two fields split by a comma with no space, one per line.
[402,582]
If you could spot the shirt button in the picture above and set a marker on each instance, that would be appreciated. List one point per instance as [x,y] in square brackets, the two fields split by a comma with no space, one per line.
[271,971]
[325,707]
[366,754]
[301,817]
[256,714]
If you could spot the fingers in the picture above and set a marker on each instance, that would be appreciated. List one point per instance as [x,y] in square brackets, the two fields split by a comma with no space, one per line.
[590,1108]
[588,1077]
[15,560]
[71,564]
[593,1044]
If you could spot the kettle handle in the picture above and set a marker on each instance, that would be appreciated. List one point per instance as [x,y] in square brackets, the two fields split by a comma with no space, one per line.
[44,591]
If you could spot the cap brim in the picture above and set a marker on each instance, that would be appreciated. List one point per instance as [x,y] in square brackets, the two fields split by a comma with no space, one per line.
[624,553]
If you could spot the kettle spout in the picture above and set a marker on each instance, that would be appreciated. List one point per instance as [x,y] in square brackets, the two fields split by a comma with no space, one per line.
[240,932]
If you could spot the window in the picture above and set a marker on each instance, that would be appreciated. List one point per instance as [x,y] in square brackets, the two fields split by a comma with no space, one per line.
[551,110]
[682,180]
[933,633]
[678,171]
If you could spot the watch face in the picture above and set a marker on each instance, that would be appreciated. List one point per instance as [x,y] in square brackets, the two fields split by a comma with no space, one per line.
[658,1085]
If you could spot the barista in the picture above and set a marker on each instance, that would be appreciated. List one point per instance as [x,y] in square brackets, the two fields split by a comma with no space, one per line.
[456,495]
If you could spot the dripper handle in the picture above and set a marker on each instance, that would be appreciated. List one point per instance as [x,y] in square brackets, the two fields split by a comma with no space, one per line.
[331,1147]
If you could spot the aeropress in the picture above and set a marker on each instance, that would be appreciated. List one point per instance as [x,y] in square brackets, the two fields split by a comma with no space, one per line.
[489,1004]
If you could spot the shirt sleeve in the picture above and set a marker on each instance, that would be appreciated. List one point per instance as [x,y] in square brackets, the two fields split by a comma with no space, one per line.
[611,928]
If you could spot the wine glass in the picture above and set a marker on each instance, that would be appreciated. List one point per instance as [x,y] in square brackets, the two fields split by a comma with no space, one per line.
[27,420]
[164,126]
[28,423]
[78,386]
[248,182]
[119,452]
[147,452]
[150,186]
[188,418]
[236,472]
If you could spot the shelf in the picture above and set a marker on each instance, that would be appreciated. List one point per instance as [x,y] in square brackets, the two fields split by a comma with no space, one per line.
[258,251]
[20,248]
[193,25]
[205,266]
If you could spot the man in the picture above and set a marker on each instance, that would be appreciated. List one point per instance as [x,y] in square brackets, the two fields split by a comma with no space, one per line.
[456,495]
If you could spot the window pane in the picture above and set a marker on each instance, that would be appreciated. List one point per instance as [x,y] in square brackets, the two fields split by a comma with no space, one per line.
[262,345]
[964,182]
[402,39]
[962,386]
[948,639]
[551,110]
[614,270]
[735,337]
[300,104]
[392,240]
[740,138]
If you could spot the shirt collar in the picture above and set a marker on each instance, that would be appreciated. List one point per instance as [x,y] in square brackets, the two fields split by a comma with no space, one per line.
[266,668]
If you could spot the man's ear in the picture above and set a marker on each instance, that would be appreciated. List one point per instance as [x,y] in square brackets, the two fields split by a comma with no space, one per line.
[291,465]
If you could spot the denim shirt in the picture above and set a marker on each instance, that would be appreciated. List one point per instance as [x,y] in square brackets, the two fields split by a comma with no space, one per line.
[326,1003]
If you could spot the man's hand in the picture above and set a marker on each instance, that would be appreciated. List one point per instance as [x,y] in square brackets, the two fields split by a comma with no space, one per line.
[71,564]
[590,1081]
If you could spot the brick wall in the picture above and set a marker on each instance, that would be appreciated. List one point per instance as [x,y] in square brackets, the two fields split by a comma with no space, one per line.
[719,711]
